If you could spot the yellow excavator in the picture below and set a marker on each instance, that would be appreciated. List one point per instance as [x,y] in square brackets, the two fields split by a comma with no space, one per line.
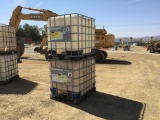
[17,16]
[43,15]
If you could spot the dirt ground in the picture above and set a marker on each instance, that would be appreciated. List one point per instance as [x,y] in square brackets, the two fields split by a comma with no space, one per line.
[128,88]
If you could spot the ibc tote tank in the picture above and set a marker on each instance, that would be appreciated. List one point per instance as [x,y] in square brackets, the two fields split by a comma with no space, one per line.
[7,38]
[76,77]
[71,32]
[8,67]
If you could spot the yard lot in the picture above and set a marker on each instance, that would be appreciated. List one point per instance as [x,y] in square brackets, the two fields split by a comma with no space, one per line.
[128,88]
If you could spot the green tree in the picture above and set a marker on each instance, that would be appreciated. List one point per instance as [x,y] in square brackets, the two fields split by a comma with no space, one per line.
[20,32]
[43,30]
[30,31]
[140,43]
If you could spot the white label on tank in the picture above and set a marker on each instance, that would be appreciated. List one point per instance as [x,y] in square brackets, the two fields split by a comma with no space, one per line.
[57,69]
[54,77]
[53,45]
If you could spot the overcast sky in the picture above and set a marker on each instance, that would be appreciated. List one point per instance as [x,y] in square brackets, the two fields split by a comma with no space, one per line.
[124,18]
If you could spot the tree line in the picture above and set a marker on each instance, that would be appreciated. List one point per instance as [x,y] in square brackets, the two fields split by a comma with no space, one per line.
[31,31]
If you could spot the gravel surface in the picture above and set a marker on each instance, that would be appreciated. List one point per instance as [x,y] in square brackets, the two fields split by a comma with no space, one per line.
[128,88]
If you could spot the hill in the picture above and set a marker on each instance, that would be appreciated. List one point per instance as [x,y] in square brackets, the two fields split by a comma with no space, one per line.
[128,39]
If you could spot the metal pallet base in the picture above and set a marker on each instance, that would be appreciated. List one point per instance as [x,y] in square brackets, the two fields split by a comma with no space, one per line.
[7,52]
[61,57]
[69,55]
[75,101]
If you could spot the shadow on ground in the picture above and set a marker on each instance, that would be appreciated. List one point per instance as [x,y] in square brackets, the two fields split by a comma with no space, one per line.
[115,61]
[28,58]
[38,59]
[111,107]
[24,57]
[18,86]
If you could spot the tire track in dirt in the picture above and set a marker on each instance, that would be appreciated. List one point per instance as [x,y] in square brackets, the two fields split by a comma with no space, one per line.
[146,85]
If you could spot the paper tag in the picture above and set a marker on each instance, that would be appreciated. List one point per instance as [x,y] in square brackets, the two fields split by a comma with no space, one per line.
[56,35]
[62,78]
[59,78]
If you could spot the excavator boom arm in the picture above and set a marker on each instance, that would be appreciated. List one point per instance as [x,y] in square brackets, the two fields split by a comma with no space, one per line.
[36,16]
[17,16]
[43,15]
[39,10]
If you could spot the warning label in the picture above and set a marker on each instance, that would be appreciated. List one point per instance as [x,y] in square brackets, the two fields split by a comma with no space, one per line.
[60,33]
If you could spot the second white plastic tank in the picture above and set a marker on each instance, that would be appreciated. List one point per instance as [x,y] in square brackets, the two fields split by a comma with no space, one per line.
[8,66]
[74,76]
[7,38]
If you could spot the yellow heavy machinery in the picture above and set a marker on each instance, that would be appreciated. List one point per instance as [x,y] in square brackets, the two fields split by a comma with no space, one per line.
[43,15]
[17,16]
[153,46]
[100,55]
[103,39]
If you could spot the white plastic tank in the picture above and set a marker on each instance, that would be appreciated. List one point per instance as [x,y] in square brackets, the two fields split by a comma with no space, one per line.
[80,32]
[7,38]
[81,75]
[8,66]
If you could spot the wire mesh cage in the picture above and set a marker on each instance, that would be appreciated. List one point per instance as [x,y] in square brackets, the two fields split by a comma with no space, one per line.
[7,38]
[8,67]
[71,36]
[72,78]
